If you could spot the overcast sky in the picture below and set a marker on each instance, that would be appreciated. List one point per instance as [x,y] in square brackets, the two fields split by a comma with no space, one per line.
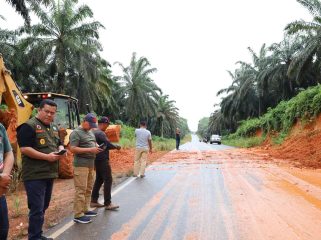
[192,43]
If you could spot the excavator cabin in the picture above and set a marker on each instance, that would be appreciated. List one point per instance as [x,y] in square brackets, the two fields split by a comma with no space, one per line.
[67,115]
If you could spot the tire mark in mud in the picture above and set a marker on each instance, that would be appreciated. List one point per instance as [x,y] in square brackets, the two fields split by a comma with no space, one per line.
[210,212]
[280,174]
[271,213]
[240,188]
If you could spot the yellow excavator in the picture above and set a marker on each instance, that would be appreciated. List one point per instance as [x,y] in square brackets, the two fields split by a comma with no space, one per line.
[20,107]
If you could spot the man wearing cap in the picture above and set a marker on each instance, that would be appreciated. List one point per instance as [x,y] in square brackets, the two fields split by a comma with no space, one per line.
[83,145]
[103,169]
[143,144]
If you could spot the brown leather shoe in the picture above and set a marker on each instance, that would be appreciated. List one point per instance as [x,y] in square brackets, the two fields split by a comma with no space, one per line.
[96,205]
[111,207]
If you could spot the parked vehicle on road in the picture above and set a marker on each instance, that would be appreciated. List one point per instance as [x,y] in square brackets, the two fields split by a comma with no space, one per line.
[215,139]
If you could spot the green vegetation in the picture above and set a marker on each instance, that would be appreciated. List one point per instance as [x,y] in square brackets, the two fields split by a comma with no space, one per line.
[304,107]
[60,51]
[244,142]
[263,88]
[202,129]
[160,144]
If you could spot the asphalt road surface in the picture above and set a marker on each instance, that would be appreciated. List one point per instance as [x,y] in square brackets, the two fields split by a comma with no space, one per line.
[205,192]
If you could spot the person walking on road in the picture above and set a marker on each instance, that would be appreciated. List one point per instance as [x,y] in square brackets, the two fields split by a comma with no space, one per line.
[83,145]
[39,144]
[6,164]
[178,138]
[103,169]
[143,144]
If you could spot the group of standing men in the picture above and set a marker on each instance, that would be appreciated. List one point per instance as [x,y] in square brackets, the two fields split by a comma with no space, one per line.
[42,149]
[91,147]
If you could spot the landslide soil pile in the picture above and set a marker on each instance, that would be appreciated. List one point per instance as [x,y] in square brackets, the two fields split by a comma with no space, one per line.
[302,146]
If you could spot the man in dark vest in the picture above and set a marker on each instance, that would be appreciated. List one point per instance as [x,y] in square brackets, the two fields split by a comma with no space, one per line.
[39,143]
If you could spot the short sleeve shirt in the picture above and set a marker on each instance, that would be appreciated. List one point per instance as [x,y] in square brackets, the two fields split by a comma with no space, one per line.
[142,137]
[5,145]
[84,139]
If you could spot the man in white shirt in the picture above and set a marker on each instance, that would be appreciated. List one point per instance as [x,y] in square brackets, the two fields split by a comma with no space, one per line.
[143,145]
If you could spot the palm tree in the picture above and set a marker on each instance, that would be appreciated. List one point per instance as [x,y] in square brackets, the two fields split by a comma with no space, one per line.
[21,7]
[280,85]
[64,40]
[167,116]
[242,98]
[216,123]
[7,41]
[141,91]
[309,58]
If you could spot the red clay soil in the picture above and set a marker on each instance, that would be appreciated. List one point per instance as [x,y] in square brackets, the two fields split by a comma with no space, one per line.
[302,147]
[61,204]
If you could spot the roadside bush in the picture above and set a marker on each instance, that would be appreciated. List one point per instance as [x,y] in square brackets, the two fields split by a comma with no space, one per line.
[163,144]
[127,132]
[244,142]
[304,107]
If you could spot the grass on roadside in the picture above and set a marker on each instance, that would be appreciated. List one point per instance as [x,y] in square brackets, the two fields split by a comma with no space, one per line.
[159,144]
[244,142]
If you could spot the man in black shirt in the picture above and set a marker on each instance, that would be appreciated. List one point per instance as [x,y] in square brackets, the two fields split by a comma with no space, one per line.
[178,138]
[39,143]
[103,169]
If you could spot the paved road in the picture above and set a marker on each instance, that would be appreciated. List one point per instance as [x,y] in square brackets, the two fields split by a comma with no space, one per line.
[195,144]
[206,192]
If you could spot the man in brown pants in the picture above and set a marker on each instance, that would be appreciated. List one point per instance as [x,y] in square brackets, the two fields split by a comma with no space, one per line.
[143,144]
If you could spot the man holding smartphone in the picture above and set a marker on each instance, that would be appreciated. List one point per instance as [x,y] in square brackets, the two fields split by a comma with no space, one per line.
[103,169]
[39,143]
[83,145]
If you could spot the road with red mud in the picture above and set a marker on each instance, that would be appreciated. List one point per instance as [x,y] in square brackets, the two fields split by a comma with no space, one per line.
[208,191]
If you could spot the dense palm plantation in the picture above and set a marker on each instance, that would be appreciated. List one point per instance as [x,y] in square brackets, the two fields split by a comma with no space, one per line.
[62,53]
[277,73]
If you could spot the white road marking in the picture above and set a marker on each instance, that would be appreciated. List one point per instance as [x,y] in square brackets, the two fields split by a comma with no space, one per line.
[71,223]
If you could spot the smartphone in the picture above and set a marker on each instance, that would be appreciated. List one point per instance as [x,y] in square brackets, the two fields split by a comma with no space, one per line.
[61,152]
[102,145]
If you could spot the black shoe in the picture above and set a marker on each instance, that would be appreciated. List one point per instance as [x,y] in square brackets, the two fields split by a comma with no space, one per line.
[90,214]
[83,219]
[45,238]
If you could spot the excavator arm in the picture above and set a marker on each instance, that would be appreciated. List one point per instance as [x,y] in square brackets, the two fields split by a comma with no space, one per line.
[19,110]
[12,96]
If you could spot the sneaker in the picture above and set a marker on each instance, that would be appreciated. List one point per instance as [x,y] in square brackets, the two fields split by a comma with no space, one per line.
[90,214]
[142,176]
[83,219]
[111,207]
[96,205]
[134,175]
[45,238]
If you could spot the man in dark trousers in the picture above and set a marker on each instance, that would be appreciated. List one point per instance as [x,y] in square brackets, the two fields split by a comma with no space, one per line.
[103,169]
[39,143]
[6,164]
[178,138]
